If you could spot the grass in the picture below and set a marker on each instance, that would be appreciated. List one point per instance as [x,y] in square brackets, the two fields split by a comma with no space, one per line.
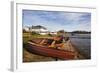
[30,36]
[30,57]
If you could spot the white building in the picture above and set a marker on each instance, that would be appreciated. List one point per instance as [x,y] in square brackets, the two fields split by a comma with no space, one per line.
[26,28]
[54,33]
[39,29]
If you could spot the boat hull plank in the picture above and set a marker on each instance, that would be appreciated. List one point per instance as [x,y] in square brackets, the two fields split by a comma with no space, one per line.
[51,52]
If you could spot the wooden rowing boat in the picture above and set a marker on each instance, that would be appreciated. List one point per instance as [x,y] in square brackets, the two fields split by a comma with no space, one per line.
[36,48]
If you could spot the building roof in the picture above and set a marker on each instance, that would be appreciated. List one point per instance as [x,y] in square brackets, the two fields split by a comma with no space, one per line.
[38,27]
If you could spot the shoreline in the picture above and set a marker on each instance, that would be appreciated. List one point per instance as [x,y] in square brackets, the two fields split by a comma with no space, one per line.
[81,55]
[30,57]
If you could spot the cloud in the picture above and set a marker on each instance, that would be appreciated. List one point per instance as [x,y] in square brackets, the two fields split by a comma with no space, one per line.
[55,20]
[78,18]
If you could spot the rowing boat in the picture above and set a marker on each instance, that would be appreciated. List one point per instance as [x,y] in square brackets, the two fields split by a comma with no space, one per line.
[44,50]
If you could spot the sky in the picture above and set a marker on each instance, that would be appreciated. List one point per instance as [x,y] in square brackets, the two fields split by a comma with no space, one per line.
[57,20]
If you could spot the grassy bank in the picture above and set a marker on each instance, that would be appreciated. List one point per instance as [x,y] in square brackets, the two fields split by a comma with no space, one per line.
[30,57]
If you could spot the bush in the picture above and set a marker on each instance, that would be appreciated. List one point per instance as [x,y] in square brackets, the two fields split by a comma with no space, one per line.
[35,33]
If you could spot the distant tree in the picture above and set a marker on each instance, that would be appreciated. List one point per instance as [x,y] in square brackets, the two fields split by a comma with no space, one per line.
[81,32]
[61,32]
[49,34]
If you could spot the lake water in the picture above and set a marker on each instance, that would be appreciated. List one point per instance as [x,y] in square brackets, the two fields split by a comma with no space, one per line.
[83,43]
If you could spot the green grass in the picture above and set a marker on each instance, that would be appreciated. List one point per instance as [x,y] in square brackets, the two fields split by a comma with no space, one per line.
[29,36]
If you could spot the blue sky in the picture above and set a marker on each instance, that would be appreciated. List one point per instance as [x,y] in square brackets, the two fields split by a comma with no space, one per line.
[57,20]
